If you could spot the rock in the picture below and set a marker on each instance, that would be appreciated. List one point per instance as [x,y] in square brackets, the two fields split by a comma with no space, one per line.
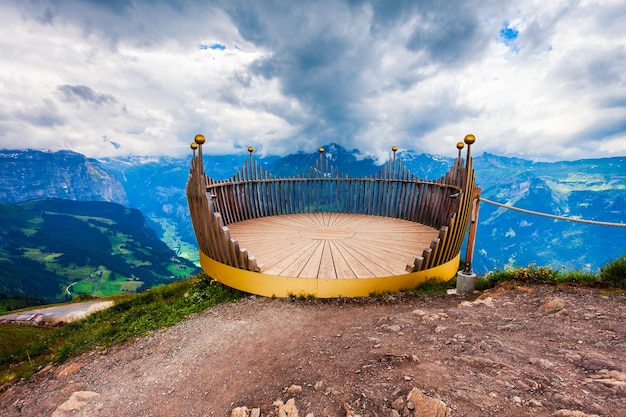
[569,413]
[68,369]
[542,363]
[286,410]
[350,411]
[553,305]
[398,404]
[294,389]
[76,403]
[488,301]
[395,328]
[566,400]
[595,362]
[440,329]
[425,406]
[616,375]
[245,412]
[424,315]
[240,412]
[611,379]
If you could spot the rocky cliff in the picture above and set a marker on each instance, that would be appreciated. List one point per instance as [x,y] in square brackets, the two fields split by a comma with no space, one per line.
[25,175]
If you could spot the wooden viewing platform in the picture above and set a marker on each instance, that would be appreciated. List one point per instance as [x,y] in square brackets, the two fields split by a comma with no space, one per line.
[333,245]
[325,234]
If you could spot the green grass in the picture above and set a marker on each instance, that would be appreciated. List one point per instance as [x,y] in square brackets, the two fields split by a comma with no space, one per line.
[615,277]
[131,316]
[435,287]
[614,272]
[13,338]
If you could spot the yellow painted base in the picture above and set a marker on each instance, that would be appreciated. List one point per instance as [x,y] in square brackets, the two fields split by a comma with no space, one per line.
[278,286]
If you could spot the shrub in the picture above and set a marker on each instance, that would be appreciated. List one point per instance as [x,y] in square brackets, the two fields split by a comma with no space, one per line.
[530,275]
[614,273]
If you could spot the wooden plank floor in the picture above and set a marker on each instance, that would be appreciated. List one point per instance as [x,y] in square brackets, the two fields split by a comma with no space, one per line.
[332,245]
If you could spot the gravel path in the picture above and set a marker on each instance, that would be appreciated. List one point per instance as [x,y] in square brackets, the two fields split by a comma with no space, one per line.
[537,351]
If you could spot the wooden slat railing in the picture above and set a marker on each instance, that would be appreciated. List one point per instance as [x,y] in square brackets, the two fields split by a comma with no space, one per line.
[393,191]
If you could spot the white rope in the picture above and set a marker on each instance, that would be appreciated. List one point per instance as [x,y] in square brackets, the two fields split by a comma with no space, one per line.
[553,216]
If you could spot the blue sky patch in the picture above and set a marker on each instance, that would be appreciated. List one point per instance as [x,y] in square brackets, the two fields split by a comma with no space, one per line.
[214,46]
[508,34]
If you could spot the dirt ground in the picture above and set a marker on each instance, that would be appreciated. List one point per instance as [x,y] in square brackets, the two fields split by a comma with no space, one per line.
[517,351]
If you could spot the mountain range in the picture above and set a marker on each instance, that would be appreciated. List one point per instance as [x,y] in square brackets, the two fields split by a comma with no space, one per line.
[593,189]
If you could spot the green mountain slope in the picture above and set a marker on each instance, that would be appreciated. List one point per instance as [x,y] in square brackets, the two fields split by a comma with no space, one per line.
[55,249]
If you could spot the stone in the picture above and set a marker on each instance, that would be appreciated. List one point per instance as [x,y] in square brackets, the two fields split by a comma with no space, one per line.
[426,406]
[611,379]
[294,389]
[68,369]
[424,315]
[349,410]
[570,413]
[440,329]
[553,305]
[487,301]
[77,402]
[398,404]
[287,409]
[240,412]
[616,375]
[566,400]
[595,362]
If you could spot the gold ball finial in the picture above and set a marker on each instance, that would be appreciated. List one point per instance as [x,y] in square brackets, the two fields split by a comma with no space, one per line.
[394,148]
[460,145]
[250,149]
[469,139]
[321,150]
[199,139]
[194,145]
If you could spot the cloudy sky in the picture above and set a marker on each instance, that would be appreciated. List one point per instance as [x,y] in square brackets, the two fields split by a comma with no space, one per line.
[537,79]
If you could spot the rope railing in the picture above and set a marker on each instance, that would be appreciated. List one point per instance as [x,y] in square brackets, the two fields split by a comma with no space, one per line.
[553,216]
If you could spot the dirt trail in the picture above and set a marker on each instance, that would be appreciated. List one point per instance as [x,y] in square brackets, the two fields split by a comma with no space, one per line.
[56,315]
[513,352]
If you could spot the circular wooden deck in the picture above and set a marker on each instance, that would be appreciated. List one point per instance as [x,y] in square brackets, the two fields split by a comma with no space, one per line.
[332,245]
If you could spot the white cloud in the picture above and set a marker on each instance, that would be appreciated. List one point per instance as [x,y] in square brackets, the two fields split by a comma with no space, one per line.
[88,75]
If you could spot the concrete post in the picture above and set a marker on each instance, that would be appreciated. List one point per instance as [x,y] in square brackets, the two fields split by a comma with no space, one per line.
[465,282]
